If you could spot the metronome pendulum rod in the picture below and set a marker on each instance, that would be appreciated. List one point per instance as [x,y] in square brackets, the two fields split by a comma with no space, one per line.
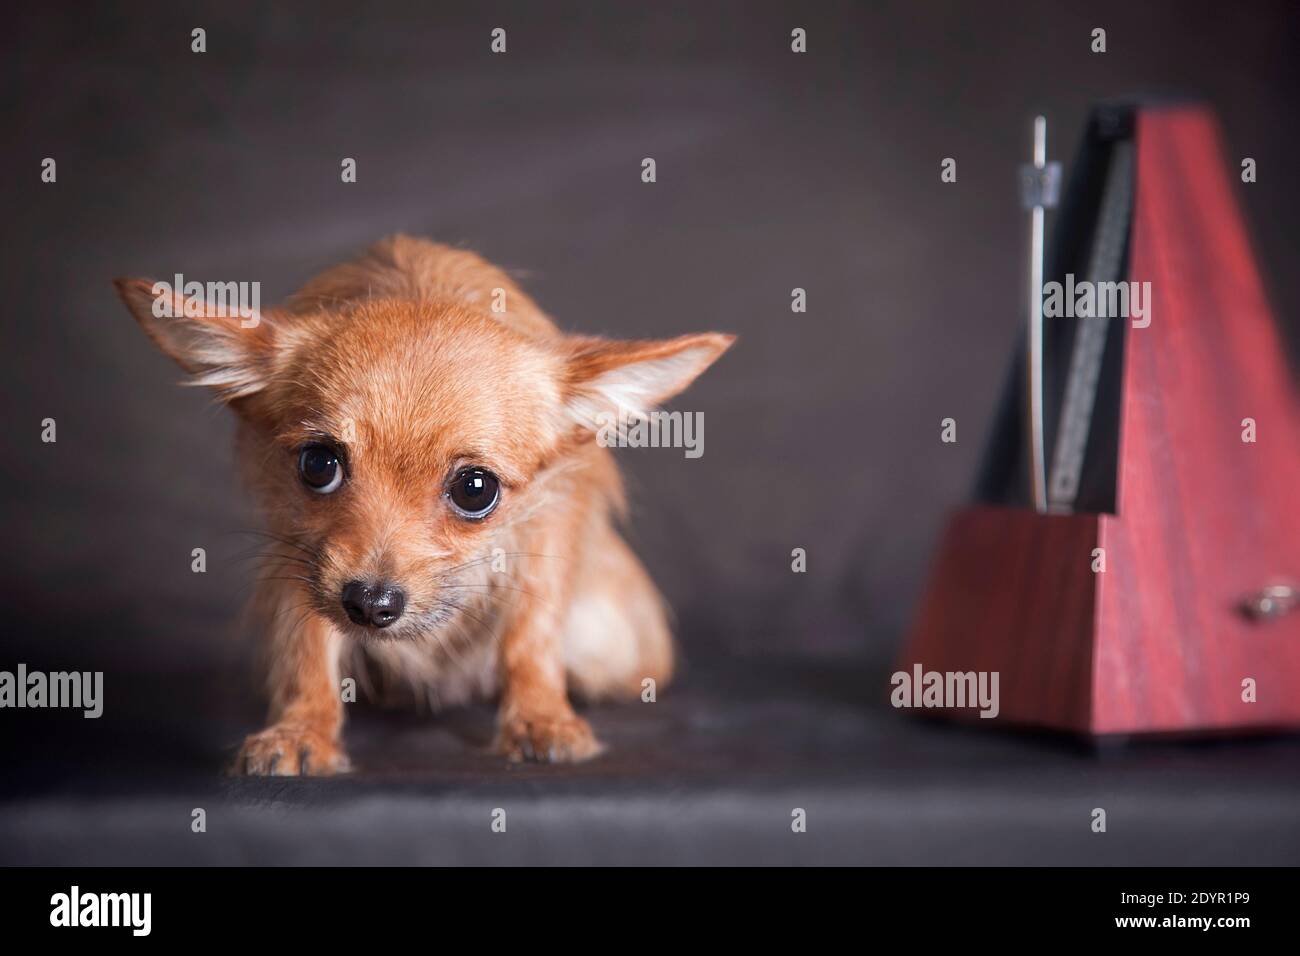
[1039,187]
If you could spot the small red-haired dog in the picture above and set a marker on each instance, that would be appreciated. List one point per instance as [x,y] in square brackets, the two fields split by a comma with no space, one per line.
[421,439]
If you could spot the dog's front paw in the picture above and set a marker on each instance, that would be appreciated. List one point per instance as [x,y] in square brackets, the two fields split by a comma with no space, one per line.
[561,738]
[287,750]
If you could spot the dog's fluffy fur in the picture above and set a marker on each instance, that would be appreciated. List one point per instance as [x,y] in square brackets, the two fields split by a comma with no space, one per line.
[401,361]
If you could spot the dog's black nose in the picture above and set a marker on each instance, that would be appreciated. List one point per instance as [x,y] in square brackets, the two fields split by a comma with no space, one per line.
[373,606]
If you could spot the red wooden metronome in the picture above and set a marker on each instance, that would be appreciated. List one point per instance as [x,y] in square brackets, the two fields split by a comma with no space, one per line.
[1134,564]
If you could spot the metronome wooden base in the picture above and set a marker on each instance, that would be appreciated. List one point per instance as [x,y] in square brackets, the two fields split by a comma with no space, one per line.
[1096,652]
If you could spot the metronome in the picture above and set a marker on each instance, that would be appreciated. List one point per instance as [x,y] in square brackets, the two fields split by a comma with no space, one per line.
[1131,565]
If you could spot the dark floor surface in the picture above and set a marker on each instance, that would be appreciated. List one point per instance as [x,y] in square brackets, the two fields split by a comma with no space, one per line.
[710,773]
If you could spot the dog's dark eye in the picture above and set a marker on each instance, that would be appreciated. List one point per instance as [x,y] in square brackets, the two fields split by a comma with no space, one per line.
[474,492]
[320,468]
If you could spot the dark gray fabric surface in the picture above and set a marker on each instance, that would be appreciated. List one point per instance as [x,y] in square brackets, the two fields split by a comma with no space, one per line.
[774,171]
[710,773]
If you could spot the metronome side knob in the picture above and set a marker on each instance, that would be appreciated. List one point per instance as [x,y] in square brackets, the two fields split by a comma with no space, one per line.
[1271,601]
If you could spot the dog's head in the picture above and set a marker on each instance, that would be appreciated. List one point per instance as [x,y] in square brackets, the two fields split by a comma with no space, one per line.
[401,445]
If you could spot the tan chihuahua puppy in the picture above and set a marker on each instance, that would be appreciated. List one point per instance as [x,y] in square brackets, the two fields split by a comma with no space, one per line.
[422,440]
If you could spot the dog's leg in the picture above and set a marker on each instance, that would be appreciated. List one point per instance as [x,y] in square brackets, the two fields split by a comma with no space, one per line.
[536,720]
[616,635]
[306,702]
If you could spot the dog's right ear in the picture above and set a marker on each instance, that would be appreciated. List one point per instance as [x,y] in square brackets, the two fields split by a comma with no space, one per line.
[220,346]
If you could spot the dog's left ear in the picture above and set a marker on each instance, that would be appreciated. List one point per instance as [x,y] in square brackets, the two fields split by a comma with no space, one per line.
[610,379]
[220,347]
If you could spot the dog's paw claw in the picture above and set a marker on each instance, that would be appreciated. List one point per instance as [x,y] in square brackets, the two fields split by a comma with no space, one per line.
[563,739]
[290,750]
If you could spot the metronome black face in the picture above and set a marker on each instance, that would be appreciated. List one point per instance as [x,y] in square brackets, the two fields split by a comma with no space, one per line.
[1088,304]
